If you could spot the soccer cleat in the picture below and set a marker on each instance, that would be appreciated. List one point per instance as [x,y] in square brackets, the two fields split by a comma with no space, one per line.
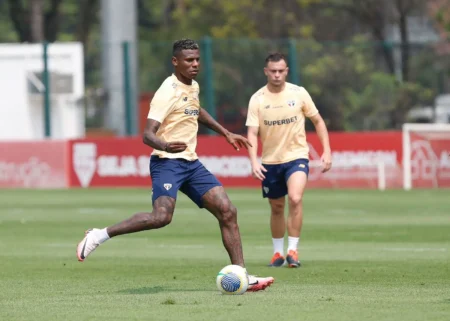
[87,245]
[292,259]
[277,260]
[258,284]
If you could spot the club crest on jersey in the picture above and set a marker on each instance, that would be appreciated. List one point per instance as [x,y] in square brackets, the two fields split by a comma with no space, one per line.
[195,95]
[291,103]
[167,186]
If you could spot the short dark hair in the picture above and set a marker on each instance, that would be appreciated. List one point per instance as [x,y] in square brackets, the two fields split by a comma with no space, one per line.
[275,57]
[184,44]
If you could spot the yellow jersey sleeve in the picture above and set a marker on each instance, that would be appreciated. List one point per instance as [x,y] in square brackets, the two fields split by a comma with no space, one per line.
[163,102]
[253,113]
[309,108]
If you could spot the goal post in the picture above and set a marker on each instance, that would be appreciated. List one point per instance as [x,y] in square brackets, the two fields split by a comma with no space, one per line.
[426,155]
[378,174]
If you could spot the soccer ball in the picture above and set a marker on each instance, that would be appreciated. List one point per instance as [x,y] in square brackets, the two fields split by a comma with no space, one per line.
[232,279]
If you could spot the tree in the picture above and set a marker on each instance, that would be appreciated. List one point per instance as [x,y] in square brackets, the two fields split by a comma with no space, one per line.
[38,20]
[377,15]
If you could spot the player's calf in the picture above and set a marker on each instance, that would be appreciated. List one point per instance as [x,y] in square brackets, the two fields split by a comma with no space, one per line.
[161,216]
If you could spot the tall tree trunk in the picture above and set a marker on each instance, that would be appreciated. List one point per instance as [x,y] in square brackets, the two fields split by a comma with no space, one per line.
[403,11]
[37,20]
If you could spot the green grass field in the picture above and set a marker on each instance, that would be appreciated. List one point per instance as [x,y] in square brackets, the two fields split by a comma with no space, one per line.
[366,255]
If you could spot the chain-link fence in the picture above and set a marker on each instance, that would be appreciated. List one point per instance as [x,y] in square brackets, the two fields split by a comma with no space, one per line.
[357,85]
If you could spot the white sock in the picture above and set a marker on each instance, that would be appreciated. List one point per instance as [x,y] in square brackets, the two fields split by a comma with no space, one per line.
[278,245]
[292,243]
[102,235]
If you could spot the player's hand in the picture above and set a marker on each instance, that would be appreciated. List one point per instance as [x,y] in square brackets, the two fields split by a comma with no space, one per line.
[175,147]
[238,141]
[326,162]
[258,171]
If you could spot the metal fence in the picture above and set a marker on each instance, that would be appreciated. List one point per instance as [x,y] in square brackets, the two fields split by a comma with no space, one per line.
[357,85]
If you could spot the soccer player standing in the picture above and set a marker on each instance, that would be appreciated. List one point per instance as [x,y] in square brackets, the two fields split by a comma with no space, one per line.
[277,114]
[171,130]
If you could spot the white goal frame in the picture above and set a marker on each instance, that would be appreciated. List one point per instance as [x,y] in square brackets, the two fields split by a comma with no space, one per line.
[406,145]
[379,167]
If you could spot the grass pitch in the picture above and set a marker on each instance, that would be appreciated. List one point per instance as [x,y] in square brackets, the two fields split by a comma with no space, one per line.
[366,255]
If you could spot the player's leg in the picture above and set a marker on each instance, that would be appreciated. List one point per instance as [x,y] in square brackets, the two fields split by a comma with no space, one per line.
[274,188]
[217,202]
[278,229]
[166,182]
[161,215]
[297,177]
[207,192]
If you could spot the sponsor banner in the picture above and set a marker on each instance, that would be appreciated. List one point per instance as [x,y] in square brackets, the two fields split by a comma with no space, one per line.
[105,162]
[125,161]
[430,160]
[37,164]
[357,158]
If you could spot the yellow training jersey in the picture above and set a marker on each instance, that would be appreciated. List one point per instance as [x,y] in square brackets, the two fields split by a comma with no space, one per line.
[281,121]
[177,107]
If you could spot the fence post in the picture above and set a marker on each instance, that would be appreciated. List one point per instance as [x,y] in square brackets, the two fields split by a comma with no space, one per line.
[209,79]
[127,94]
[293,63]
[47,102]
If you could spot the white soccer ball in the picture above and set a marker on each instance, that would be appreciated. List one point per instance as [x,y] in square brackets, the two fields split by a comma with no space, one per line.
[232,279]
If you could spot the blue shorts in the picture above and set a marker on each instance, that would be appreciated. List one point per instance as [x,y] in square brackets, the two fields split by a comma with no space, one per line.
[277,175]
[190,177]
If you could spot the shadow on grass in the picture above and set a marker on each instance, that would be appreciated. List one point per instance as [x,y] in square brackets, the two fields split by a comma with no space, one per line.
[160,289]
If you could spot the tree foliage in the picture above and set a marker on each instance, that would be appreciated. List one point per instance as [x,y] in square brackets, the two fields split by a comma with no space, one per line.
[342,51]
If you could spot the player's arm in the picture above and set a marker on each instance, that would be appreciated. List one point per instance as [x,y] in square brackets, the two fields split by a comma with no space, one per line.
[322,132]
[310,111]
[257,169]
[149,138]
[237,141]
[252,123]
[160,107]
[252,136]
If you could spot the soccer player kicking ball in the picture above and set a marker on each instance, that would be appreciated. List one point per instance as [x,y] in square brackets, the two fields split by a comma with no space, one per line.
[277,113]
[171,130]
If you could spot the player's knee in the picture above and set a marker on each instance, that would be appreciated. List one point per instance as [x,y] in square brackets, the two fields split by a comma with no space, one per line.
[295,200]
[228,213]
[161,217]
[277,207]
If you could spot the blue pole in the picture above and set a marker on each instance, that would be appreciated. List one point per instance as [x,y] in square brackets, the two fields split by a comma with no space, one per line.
[209,77]
[47,102]
[128,104]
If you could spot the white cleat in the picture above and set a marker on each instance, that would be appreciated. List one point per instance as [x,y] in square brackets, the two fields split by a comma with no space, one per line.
[258,284]
[87,245]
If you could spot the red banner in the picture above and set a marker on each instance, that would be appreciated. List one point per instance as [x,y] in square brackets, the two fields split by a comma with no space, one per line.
[106,162]
[37,164]
[430,160]
[125,162]
[357,158]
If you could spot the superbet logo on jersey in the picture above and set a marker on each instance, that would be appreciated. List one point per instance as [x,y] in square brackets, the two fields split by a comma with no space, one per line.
[191,112]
